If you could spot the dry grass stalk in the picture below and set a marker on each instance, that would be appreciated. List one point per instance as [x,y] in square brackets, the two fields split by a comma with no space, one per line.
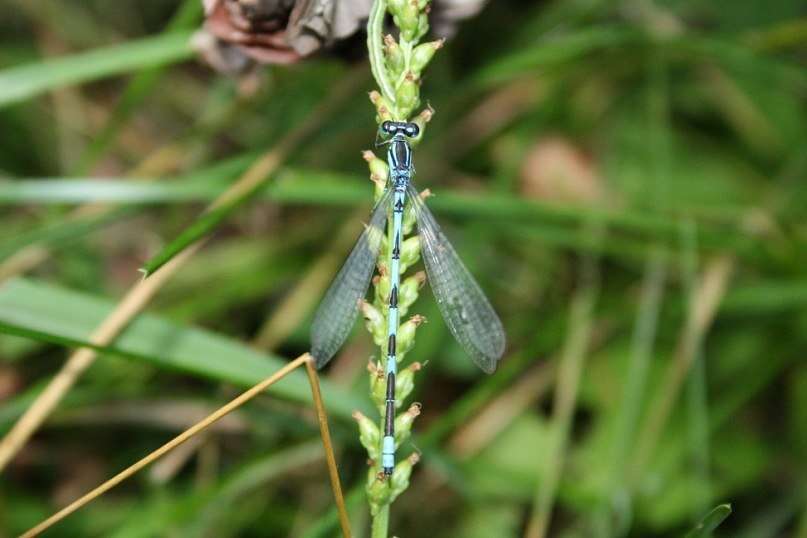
[173,443]
[501,412]
[322,418]
[708,295]
[131,305]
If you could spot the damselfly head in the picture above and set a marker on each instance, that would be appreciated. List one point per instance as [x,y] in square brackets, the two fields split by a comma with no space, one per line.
[391,128]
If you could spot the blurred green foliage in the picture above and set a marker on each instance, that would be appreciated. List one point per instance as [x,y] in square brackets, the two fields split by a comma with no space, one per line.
[678,127]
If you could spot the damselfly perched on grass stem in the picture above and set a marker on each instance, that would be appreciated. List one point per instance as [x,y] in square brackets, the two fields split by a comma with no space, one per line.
[462,303]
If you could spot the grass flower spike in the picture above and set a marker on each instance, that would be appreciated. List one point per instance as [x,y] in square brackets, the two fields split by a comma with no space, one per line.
[389,244]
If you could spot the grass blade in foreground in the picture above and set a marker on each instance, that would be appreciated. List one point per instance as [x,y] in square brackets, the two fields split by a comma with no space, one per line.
[252,181]
[710,522]
[23,82]
[53,314]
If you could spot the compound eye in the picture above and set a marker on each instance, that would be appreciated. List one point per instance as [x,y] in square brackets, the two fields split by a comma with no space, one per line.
[388,127]
[412,130]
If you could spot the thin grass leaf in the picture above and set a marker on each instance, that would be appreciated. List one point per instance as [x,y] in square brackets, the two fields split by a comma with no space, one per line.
[26,81]
[294,186]
[328,524]
[206,223]
[256,177]
[52,314]
[734,55]
[696,393]
[472,401]
[186,17]
[555,51]
[249,477]
[13,408]
[766,298]
[710,522]
[60,233]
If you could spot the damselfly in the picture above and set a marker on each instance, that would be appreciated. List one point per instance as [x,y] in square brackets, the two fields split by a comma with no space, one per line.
[464,307]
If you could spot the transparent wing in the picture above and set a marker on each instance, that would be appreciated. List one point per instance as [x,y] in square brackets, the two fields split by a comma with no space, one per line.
[338,310]
[462,303]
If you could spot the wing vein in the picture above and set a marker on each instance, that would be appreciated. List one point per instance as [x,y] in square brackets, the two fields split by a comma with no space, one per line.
[338,310]
[466,310]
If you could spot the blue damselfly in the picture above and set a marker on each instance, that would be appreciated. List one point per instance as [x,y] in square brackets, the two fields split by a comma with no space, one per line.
[466,310]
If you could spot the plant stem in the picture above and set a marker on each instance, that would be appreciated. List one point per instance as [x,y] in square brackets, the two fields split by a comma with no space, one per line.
[333,472]
[398,80]
[375,47]
[381,523]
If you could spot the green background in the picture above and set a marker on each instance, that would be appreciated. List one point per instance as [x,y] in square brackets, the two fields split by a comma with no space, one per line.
[625,179]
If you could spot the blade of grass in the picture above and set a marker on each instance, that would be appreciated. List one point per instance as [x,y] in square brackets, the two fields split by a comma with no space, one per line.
[766,297]
[554,51]
[495,417]
[312,187]
[474,400]
[52,314]
[325,526]
[634,391]
[252,182]
[15,406]
[732,54]
[250,477]
[573,47]
[22,260]
[26,251]
[703,307]
[50,236]
[697,410]
[645,325]
[26,81]
[472,403]
[741,113]
[186,17]
[710,522]
[131,305]
[570,370]
[781,35]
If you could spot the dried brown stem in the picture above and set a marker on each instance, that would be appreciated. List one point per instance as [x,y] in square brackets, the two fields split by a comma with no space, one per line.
[707,297]
[322,418]
[131,305]
[173,443]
